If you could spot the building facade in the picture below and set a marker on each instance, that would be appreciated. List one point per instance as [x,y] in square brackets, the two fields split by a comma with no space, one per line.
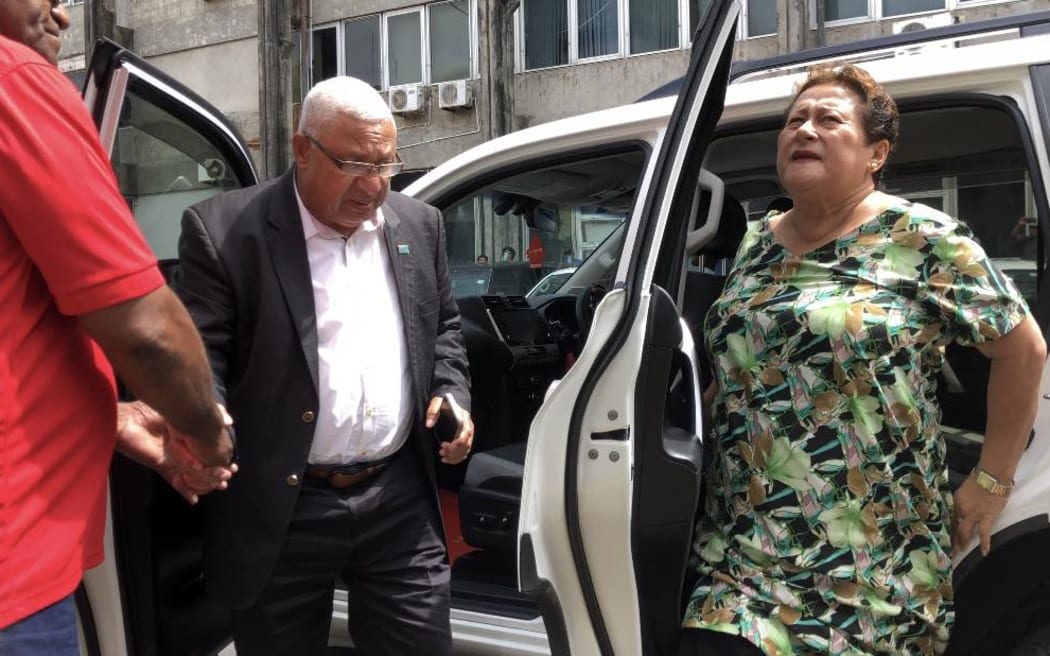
[457,73]
[460,72]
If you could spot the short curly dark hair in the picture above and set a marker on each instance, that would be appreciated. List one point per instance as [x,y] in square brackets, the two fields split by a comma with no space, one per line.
[878,110]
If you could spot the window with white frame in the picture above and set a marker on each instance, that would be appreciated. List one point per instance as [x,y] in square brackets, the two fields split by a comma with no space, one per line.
[404,49]
[363,44]
[654,26]
[859,10]
[560,32]
[759,17]
[450,41]
[426,44]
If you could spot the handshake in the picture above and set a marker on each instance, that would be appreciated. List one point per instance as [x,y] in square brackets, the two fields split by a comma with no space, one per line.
[192,466]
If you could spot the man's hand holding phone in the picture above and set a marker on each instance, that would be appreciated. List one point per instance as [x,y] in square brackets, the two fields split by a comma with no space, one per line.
[452,427]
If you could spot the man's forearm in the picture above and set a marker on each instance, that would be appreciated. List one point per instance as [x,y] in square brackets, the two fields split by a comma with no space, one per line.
[157,353]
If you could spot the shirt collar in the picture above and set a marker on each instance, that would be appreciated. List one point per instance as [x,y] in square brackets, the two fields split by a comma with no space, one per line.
[312,227]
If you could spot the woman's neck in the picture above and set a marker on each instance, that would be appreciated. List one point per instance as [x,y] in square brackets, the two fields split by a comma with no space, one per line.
[813,222]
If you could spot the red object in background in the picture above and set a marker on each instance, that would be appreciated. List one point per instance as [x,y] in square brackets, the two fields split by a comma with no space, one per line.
[453,532]
[535,252]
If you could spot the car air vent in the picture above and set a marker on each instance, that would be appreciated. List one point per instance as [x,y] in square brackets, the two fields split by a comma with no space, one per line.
[496,301]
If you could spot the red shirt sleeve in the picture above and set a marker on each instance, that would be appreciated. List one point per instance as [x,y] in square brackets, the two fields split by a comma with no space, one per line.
[60,196]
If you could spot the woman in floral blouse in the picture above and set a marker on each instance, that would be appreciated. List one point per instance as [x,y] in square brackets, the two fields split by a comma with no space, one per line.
[827,521]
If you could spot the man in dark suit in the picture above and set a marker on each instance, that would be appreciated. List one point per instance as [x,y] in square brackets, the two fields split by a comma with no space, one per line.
[325,305]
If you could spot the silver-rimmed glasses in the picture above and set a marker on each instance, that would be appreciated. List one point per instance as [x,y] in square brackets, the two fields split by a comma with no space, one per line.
[385,170]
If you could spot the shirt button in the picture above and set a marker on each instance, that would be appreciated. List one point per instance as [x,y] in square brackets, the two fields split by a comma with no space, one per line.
[369,410]
[292,480]
[308,416]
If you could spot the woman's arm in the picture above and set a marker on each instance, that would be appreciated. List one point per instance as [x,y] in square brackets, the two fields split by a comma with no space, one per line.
[1013,392]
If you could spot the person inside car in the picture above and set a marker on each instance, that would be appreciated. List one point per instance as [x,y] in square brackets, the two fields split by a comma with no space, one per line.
[828,523]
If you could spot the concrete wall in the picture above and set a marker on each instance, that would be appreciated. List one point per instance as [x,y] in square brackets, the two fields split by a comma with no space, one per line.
[435,135]
[226,75]
[165,26]
[73,38]
[550,94]
[873,29]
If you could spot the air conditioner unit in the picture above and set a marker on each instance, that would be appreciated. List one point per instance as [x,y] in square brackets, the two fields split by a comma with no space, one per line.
[405,99]
[455,94]
[922,23]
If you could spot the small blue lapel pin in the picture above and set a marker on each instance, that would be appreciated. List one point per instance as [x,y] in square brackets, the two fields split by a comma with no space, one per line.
[402,249]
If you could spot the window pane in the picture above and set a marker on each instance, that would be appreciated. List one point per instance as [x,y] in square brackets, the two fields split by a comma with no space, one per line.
[761,17]
[404,36]
[363,50]
[697,8]
[164,164]
[450,41]
[654,25]
[546,33]
[898,7]
[597,32]
[325,64]
[842,9]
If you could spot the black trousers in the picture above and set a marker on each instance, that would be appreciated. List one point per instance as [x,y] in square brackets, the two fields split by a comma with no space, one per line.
[701,642]
[383,540]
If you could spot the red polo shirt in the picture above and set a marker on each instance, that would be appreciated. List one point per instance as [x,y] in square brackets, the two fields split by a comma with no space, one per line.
[68,245]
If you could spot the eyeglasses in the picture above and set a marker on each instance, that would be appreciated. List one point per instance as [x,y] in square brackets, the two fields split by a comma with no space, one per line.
[386,170]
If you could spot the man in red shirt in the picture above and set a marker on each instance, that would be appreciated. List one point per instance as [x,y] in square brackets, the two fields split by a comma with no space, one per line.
[78,285]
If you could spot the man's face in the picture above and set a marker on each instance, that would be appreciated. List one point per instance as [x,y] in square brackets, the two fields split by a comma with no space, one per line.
[36,23]
[337,199]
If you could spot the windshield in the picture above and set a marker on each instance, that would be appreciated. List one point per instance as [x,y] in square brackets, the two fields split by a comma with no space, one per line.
[527,233]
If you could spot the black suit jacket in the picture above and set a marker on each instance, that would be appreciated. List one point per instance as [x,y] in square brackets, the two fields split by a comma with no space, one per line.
[245,278]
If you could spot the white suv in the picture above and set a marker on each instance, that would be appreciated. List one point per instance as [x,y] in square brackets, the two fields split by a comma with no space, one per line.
[570,526]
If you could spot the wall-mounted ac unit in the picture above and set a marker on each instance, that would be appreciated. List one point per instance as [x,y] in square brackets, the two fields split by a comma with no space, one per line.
[455,94]
[405,99]
[922,23]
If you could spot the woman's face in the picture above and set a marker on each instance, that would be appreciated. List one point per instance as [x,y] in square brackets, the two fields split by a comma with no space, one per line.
[822,149]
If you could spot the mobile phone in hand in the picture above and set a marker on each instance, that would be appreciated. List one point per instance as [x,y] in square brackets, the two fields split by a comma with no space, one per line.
[447,426]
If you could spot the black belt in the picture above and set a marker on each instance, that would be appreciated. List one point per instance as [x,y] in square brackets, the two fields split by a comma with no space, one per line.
[343,476]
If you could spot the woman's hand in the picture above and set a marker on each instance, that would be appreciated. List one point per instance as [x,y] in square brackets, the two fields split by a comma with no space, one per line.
[976,509]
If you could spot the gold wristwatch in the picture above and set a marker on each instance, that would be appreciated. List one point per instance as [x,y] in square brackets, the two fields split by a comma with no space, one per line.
[991,483]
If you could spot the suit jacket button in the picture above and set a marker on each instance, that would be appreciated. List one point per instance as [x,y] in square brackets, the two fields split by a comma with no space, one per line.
[292,480]
[308,416]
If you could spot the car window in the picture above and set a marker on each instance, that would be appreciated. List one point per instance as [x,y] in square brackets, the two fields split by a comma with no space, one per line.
[164,164]
[511,235]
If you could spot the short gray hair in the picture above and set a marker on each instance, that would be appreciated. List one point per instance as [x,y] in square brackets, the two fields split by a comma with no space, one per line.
[341,96]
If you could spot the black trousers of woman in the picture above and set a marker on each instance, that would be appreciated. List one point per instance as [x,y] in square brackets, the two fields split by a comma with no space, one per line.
[701,642]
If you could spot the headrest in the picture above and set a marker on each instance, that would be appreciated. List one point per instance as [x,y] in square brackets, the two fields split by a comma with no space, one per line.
[731,228]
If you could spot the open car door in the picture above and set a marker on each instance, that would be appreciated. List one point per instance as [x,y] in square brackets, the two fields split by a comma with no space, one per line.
[169,149]
[612,472]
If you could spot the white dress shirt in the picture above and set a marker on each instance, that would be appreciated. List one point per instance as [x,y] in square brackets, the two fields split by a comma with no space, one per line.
[363,379]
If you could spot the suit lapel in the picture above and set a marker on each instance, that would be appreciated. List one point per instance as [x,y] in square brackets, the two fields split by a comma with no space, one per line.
[287,246]
[399,251]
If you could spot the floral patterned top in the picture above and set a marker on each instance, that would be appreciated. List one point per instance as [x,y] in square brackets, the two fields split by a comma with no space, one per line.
[826,523]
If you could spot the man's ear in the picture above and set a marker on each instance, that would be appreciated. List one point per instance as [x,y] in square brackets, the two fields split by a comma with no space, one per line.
[301,148]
